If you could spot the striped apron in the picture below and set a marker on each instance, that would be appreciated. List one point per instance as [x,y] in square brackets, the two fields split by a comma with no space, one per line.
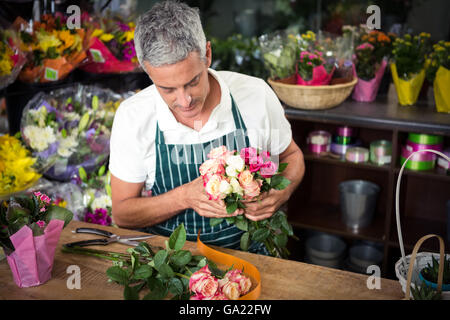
[178,164]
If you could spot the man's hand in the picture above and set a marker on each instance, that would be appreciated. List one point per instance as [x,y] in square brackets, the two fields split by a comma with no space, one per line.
[195,197]
[267,205]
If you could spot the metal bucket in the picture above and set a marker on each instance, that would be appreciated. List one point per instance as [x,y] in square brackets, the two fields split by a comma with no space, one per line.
[325,250]
[358,202]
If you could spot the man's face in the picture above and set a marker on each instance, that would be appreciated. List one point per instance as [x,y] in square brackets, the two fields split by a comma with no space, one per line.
[184,85]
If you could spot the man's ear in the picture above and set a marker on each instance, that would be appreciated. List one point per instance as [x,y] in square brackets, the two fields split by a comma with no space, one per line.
[208,55]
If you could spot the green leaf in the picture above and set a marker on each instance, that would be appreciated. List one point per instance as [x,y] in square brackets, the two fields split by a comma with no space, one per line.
[64,133]
[37,231]
[232,207]
[158,290]
[83,175]
[166,271]
[281,240]
[83,122]
[279,182]
[215,221]
[160,258]
[181,258]
[56,212]
[285,226]
[176,286]
[118,275]
[276,221]
[260,235]
[230,220]
[178,238]
[242,224]
[245,241]
[108,190]
[282,166]
[95,102]
[130,293]
[143,272]
[101,171]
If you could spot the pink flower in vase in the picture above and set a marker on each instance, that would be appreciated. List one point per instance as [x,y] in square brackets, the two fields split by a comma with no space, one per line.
[41,224]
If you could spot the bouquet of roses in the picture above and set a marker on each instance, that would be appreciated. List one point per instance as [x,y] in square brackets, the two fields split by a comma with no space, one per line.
[30,226]
[96,191]
[236,176]
[54,50]
[18,169]
[215,284]
[111,49]
[69,128]
[12,59]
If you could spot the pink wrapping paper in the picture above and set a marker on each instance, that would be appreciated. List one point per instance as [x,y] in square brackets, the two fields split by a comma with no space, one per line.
[320,77]
[31,262]
[366,91]
[110,65]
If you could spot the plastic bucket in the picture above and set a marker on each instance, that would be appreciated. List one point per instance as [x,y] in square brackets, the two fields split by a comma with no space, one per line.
[358,199]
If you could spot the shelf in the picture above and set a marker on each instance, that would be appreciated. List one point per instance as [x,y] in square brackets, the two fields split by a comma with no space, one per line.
[325,159]
[437,173]
[327,218]
[415,228]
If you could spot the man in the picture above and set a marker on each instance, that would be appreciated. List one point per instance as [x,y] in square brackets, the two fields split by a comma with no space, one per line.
[162,134]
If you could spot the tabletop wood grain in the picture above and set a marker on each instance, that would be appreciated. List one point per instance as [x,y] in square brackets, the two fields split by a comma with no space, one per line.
[280,279]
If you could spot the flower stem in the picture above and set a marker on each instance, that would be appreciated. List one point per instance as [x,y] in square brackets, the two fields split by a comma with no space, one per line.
[181,275]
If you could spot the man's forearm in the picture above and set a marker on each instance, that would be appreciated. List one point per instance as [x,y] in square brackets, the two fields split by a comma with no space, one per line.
[295,169]
[147,211]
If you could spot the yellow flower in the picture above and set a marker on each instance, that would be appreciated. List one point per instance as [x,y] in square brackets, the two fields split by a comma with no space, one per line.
[97,32]
[47,40]
[106,37]
[5,66]
[424,35]
[68,39]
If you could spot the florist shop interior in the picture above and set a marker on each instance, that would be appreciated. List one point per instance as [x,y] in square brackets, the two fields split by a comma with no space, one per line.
[364,85]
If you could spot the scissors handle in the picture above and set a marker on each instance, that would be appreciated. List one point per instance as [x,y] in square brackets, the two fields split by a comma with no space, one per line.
[94,231]
[87,243]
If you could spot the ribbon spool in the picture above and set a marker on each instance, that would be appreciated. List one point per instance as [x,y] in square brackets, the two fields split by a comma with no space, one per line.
[412,146]
[357,154]
[343,140]
[345,131]
[319,141]
[418,162]
[427,139]
[381,152]
[442,163]
[340,149]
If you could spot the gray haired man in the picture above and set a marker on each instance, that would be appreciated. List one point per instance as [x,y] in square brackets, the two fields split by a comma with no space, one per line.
[162,134]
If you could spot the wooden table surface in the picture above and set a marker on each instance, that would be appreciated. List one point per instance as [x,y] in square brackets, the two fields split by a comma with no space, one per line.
[280,279]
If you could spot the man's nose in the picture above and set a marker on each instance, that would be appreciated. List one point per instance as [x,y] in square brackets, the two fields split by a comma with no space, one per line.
[184,99]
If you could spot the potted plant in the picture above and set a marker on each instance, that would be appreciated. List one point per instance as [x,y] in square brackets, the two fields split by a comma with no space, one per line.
[425,292]
[429,274]
[438,73]
[408,67]
[313,70]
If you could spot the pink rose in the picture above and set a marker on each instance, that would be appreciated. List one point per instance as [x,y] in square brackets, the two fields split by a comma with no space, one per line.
[251,190]
[213,166]
[203,284]
[218,153]
[245,178]
[256,163]
[244,282]
[248,153]
[230,289]
[212,187]
[265,155]
[268,169]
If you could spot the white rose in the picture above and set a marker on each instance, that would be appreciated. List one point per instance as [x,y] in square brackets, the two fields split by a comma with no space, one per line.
[231,171]
[101,202]
[236,162]
[236,186]
[225,188]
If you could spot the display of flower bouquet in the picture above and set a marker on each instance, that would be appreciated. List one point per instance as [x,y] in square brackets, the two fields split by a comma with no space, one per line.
[408,68]
[438,73]
[12,59]
[111,49]
[30,227]
[53,49]
[96,194]
[237,176]
[18,169]
[70,128]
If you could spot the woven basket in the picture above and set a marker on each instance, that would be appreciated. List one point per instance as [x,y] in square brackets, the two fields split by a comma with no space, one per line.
[312,97]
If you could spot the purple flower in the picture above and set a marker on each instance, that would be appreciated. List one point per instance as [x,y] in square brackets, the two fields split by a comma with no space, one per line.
[49,151]
[90,134]
[91,218]
[123,26]
[129,51]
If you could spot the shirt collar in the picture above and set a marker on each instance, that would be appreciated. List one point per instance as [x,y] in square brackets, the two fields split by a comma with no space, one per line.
[167,121]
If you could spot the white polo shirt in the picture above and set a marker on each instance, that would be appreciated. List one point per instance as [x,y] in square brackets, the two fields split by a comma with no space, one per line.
[132,147]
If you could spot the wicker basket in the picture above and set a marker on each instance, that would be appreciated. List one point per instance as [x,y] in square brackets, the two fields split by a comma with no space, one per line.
[312,97]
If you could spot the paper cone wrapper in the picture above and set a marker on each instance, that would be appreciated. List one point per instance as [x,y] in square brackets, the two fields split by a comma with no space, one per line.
[320,77]
[31,262]
[101,60]
[237,263]
[407,90]
[441,88]
[366,91]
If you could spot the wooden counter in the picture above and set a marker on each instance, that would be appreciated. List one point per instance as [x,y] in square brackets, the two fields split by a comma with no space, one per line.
[280,279]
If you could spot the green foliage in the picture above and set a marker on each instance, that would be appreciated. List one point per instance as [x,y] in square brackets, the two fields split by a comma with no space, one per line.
[439,57]
[425,292]
[431,271]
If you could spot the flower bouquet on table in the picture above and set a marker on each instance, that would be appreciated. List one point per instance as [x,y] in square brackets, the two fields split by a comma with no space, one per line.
[111,48]
[30,227]
[236,176]
[96,195]
[438,73]
[408,69]
[371,58]
[70,128]
[54,50]
[12,59]
[18,169]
